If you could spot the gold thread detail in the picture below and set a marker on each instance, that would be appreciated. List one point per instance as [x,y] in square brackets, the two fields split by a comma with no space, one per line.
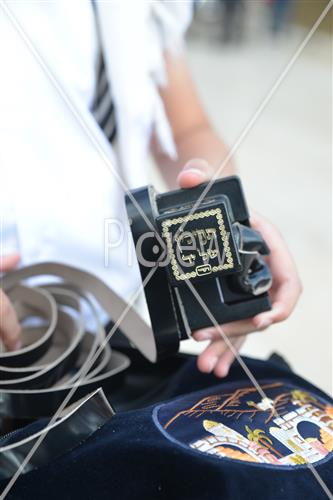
[186,218]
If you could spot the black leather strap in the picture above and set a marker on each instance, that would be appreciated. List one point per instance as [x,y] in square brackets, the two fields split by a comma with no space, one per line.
[150,248]
[35,379]
[72,428]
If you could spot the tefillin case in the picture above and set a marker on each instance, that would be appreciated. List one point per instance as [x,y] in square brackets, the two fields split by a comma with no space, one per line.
[199,258]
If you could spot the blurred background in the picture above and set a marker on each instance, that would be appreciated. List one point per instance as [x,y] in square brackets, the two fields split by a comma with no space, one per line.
[237,50]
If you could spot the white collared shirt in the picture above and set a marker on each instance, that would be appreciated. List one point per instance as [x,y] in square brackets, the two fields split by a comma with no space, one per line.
[61,182]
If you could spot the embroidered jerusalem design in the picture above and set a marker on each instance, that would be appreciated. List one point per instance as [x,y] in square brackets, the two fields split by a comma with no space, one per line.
[290,427]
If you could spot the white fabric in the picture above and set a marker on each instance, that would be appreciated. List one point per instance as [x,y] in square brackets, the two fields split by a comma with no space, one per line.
[59,191]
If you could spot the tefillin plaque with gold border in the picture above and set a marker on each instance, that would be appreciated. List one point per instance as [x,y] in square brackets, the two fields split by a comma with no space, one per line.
[199,243]
[197,240]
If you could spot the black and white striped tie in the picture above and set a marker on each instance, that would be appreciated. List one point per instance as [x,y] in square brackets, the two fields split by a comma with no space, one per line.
[102,107]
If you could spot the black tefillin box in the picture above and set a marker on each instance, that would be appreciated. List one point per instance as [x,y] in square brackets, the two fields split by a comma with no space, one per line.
[201,263]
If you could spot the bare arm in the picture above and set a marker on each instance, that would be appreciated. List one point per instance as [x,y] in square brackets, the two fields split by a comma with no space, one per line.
[194,135]
[200,153]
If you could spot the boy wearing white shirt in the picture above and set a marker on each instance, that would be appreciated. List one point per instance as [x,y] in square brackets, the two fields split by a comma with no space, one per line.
[63,178]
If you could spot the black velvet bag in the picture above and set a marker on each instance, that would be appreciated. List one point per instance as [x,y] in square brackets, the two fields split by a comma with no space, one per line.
[208,439]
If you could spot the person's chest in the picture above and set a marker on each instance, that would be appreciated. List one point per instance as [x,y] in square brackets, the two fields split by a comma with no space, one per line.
[49,39]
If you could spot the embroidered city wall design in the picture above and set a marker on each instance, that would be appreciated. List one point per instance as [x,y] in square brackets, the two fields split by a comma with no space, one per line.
[205,245]
[289,427]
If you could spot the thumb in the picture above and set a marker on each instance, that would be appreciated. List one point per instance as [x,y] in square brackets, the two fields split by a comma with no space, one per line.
[8,262]
[195,172]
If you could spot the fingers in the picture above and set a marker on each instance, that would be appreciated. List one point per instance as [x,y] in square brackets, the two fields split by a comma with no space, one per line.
[222,367]
[286,290]
[8,262]
[287,286]
[195,172]
[218,356]
[234,329]
[284,302]
[208,359]
[9,326]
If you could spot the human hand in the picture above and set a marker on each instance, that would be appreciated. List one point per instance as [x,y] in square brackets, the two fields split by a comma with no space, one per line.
[9,325]
[284,293]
